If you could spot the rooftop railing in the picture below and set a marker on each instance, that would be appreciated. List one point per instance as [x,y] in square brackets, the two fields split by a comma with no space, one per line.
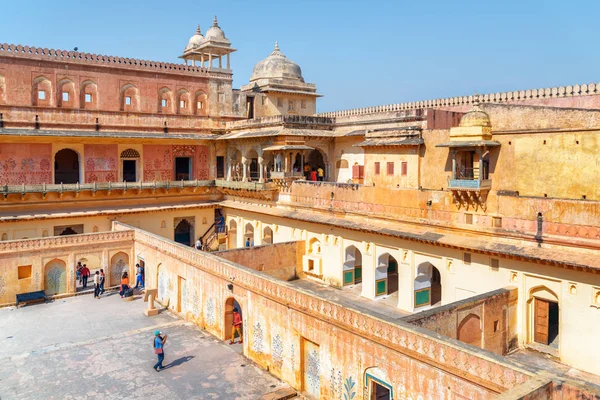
[102,186]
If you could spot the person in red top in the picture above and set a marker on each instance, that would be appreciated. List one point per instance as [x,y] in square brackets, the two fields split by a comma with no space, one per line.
[85,274]
[236,326]
[313,175]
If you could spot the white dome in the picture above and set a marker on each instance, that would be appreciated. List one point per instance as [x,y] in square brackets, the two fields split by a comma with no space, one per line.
[276,65]
[216,33]
[195,40]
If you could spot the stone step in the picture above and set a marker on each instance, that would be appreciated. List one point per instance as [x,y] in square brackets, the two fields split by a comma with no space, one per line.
[281,394]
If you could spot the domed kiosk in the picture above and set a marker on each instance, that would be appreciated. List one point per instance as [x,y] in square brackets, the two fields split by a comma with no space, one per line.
[279,87]
[203,50]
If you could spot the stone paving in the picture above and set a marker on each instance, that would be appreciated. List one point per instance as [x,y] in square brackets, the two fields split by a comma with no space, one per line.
[83,348]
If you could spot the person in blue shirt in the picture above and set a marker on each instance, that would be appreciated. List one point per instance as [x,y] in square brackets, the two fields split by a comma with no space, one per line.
[159,344]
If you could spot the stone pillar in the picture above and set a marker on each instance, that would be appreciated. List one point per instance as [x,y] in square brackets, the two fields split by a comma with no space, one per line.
[261,174]
[220,62]
[210,61]
[453,154]
[228,64]
[228,169]
[302,163]
[202,60]
[369,264]
[244,169]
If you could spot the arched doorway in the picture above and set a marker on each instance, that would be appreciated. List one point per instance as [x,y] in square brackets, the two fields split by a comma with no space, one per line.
[267,236]
[352,266]
[183,233]
[544,317]
[119,263]
[436,286]
[252,161]
[428,285]
[248,235]
[129,163]
[66,166]
[55,277]
[230,304]
[469,330]
[386,275]
[232,235]
[316,160]
[377,386]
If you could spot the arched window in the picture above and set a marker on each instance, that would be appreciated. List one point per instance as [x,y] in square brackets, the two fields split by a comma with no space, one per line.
[165,100]
[232,235]
[314,246]
[130,98]
[386,275]
[88,98]
[267,236]
[200,105]
[42,93]
[66,93]
[183,102]
[469,330]
[249,235]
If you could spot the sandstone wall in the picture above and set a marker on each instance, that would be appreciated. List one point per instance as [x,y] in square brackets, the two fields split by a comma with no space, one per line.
[496,312]
[282,260]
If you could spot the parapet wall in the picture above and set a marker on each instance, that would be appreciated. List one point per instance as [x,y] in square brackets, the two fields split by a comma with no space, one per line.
[543,96]
[488,320]
[281,260]
[281,321]
[37,53]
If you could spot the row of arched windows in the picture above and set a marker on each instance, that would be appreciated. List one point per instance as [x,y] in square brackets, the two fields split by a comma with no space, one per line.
[43,95]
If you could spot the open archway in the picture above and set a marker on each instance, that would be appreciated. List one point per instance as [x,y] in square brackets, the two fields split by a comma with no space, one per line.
[386,275]
[428,285]
[55,277]
[469,330]
[183,233]
[252,160]
[66,166]
[230,304]
[352,266]
[316,160]
[267,235]
[248,235]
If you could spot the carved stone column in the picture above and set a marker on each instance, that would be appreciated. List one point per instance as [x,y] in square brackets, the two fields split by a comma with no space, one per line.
[261,174]
[244,169]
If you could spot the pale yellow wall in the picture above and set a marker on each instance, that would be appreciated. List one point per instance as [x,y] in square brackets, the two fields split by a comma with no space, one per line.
[397,155]
[270,106]
[579,315]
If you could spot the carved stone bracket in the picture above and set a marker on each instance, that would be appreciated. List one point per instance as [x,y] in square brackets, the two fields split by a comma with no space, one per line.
[470,198]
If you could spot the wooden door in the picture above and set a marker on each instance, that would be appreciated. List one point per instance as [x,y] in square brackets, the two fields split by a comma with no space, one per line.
[541,313]
[311,367]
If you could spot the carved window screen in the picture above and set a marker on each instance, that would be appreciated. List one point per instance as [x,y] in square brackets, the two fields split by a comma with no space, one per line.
[130,153]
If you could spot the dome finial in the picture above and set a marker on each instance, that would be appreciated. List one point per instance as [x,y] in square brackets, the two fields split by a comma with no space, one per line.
[276,46]
[215,23]
[198,31]
[476,99]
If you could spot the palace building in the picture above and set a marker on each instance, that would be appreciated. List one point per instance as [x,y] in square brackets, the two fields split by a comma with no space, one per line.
[440,249]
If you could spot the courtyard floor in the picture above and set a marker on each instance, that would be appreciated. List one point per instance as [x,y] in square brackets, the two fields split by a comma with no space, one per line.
[84,348]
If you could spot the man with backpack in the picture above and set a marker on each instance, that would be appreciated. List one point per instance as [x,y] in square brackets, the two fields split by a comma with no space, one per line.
[159,344]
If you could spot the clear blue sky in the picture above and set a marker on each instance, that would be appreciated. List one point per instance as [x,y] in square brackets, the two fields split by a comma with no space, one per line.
[359,53]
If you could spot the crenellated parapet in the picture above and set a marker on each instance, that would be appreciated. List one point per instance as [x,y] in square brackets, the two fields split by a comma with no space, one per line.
[504,97]
[75,57]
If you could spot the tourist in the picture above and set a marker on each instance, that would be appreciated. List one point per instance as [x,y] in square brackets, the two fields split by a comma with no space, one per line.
[78,272]
[248,242]
[199,244]
[124,284]
[320,174]
[102,280]
[307,171]
[236,326]
[159,344]
[139,280]
[97,285]
[85,274]
[313,175]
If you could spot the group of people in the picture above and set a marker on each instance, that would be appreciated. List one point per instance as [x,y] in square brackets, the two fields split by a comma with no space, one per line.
[139,280]
[314,174]
[83,273]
